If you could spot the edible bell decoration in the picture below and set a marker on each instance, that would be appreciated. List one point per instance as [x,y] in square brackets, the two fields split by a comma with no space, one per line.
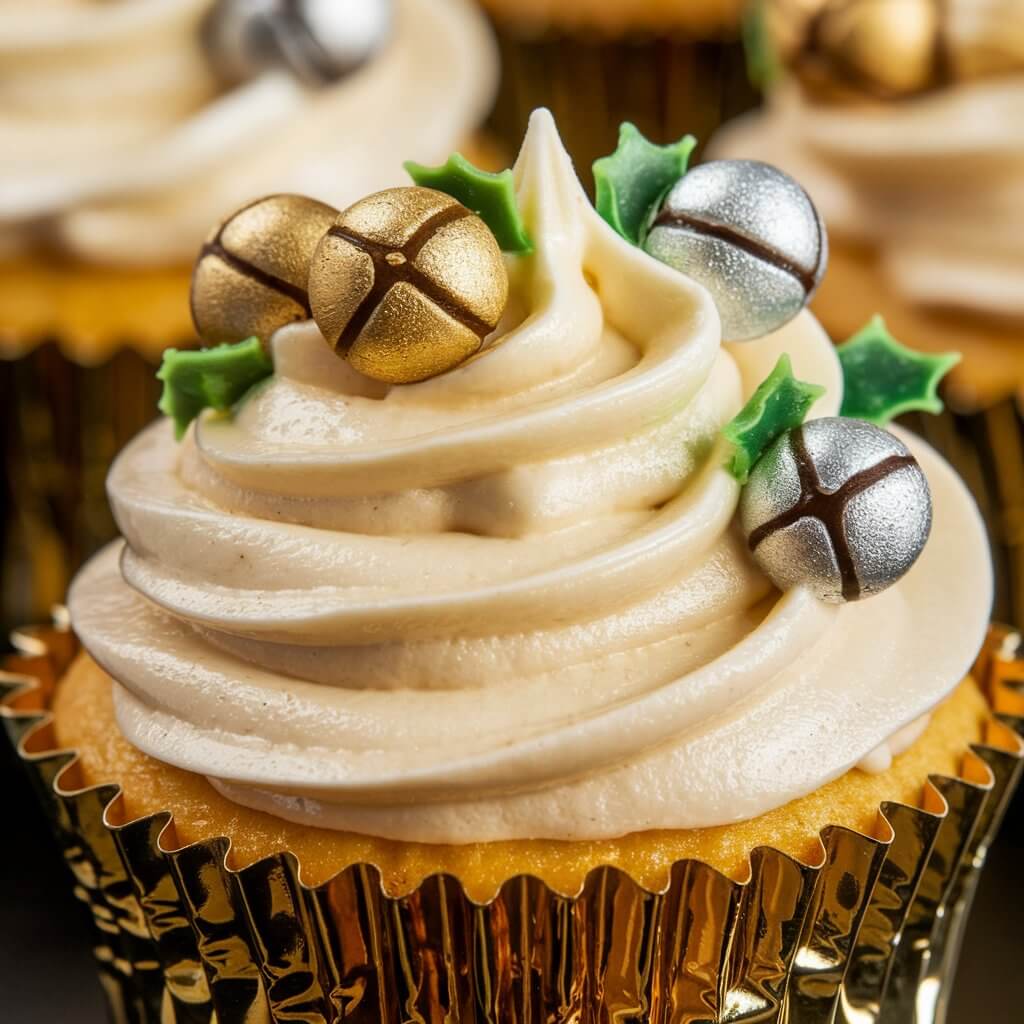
[406,284]
[252,271]
[316,41]
[838,505]
[743,229]
[751,235]
[891,49]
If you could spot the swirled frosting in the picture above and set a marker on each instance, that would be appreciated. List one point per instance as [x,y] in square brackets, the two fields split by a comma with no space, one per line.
[510,601]
[117,143]
[935,184]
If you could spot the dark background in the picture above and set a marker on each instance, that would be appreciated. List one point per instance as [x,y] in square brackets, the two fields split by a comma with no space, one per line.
[46,974]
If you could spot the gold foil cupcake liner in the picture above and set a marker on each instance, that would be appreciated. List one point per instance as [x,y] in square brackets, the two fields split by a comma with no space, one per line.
[79,347]
[869,935]
[63,426]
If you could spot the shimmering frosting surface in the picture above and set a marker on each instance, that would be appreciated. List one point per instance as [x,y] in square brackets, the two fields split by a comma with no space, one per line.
[510,601]
[935,183]
[118,144]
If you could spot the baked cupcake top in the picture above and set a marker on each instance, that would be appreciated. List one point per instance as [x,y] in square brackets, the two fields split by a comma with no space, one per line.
[513,599]
[125,130]
[905,122]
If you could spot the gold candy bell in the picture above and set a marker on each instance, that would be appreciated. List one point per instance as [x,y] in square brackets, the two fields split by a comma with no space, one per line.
[406,284]
[252,272]
[887,49]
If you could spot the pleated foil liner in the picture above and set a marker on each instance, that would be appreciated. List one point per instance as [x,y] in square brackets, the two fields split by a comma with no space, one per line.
[79,347]
[63,424]
[870,935]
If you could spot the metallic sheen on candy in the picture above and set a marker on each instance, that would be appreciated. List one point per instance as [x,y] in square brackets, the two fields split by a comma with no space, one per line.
[406,284]
[250,277]
[318,41]
[836,505]
[751,235]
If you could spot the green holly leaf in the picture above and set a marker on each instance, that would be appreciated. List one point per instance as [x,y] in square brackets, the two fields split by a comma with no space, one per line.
[214,378]
[630,182]
[762,61]
[490,196]
[883,379]
[780,403]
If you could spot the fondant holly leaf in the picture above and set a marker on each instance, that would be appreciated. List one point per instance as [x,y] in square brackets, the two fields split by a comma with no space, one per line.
[883,379]
[762,60]
[634,178]
[780,403]
[213,378]
[490,196]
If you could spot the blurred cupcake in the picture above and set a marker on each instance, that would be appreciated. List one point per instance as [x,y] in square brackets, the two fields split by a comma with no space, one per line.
[666,66]
[127,129]
[438,673]
[905,122]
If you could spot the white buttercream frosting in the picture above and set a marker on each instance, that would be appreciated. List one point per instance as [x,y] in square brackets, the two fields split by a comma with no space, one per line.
[117,143]
[880,759]
[935,184]
[510,601]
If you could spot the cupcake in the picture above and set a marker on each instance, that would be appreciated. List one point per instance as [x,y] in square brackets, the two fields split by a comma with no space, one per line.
[459,664]
[129,128]
[904,124]
[669,67]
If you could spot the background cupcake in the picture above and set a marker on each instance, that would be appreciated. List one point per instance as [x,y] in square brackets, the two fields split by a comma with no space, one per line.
[127,129]
[905,122]
[668,67]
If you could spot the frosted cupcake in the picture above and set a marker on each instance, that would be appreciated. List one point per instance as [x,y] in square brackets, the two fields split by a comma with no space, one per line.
[126,129]
[477,572]
[905,127]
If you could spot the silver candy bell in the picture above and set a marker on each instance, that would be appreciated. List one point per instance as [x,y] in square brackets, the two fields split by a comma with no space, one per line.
[318,41]
[836,505]
[750,234]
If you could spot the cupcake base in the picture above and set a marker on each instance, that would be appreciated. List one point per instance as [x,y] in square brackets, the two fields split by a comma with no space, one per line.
[868,933]
[84,721]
